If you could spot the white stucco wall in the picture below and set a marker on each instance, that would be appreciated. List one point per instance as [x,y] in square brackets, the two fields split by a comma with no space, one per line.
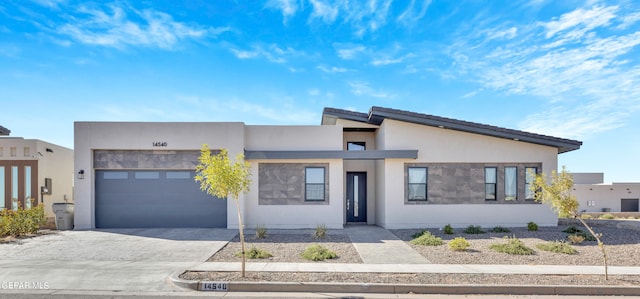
[436,145]
[297,216]
[91,136]
[292,138]
[604,195]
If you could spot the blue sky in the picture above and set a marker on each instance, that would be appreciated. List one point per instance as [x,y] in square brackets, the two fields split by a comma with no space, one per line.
[563,68]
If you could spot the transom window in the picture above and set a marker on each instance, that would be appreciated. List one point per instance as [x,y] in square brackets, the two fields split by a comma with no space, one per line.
[510,183]
[417,183]
[356,146]
[490,182]
[314,183]
[530,175]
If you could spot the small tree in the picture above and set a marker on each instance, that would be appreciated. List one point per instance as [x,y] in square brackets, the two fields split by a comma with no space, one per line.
[557,193]
[222,178]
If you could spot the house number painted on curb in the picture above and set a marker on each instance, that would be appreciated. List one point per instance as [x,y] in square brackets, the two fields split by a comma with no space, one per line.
[160,143]
[213,286]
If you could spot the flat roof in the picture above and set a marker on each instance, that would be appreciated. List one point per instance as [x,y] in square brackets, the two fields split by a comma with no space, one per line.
[377,115]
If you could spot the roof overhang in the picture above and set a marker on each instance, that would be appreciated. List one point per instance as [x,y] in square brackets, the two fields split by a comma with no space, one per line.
[345,155]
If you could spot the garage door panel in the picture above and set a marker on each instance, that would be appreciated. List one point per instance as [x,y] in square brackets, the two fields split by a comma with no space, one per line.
[155,200]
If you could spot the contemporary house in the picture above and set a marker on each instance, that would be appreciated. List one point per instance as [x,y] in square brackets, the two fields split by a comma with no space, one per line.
[34,172]
[595,196]
[387,167]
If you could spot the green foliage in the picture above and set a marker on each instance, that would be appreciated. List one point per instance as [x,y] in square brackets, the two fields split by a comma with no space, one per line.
[321,232]
[513,246]
[500,229]
[532,226]
[557,193]
[557,247]
[256,253]
[473,230]
[586,216]
[261,232]
[427,239]
[219,176]
[419,233]
[459,244]
[576,231]
[318,253]
[575,239]
[21,222]
[607,216]
[572,230]
[448,229]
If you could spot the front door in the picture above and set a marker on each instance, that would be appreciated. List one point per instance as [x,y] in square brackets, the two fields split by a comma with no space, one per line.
[356,197]
[18,184]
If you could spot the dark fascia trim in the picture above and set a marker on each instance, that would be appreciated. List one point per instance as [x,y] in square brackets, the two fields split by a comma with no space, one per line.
[345,155]
[346,114]
[378,114]
[4,131]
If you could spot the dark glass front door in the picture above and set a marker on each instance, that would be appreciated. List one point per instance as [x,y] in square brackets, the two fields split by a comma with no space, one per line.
[356,197]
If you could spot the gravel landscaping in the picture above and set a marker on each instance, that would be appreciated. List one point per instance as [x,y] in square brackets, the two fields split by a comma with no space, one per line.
[622,245]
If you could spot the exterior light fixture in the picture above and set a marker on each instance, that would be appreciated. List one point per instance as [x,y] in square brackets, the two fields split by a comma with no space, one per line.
[81,174]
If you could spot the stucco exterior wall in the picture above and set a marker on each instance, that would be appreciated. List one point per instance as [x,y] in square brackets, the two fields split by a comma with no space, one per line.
[296,216]
[292,138]
[91,136]
[437,145]
[604,196]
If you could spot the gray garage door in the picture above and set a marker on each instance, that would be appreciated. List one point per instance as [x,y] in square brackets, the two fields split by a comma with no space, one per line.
[137,199]
[629,205]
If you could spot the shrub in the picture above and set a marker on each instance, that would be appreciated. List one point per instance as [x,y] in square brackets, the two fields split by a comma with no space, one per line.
[500,229]
[557,247]
[532,226]
[256,253]
[318,253]
[513,246]
[607,216]
[418,234]
[21,222]
[586,216]
[321,232]
[474,230]
[448,229]
[459,244]
[576,231]
[261,232]
[572,230]
[575,239]
[427,239]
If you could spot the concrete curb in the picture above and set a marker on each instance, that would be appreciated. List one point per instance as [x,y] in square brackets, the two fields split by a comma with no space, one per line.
[262,286]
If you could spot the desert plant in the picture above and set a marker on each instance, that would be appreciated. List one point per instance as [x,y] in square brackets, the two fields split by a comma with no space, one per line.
[427,239]
[448,229]
[532,226]
[255,253]
[473,230]
[557,247]
[459,244]
[419,233]
[575,239]
[261,232]
[22,221]
[586,216]
[318,253]
[500,229]
[557,194]
[513,246]
[579,232]
[607,216]
[572,230]
[321,232]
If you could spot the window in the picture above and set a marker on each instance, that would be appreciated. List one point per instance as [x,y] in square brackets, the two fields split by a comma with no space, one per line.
[177,175]
[14,187]
[490,179]
[2,188]
[417,183]
[510,183]
[591,203]
[116,175]
[356,146]
[12,151]
[27,151]
[146,175]
[1,151]
[530,175]
[314,183]
[27,187]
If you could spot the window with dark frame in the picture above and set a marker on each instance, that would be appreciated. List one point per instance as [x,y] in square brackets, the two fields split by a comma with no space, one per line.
[510,183]
[530,175]
[490,183]
[356,146]
[314,183]
[417,183]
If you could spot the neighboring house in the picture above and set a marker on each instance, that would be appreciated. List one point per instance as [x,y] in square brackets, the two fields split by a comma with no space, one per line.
[595,196]
[34,172]
[392,168]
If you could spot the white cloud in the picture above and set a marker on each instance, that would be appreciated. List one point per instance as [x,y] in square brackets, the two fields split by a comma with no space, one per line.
[273,53]
[350,52]
[324,11]
[288,7]
[503,34]
[114,28]
[362,16]
[49,3]
[314,92]
[362,88]
[332,69]
[582,20]
[414,13]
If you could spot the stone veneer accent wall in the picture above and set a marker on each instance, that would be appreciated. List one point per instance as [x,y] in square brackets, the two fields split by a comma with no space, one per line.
[134,159]
[284,183]
[463,183]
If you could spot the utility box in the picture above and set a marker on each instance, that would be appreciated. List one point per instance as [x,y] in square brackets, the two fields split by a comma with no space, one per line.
[64,215]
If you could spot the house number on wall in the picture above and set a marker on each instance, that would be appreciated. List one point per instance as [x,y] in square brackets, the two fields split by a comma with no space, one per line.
[160,143]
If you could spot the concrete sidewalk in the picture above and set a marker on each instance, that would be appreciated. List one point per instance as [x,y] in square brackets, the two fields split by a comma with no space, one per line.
[376,245]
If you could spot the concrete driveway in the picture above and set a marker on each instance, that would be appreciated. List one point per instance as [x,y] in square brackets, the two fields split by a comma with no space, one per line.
[109,260]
